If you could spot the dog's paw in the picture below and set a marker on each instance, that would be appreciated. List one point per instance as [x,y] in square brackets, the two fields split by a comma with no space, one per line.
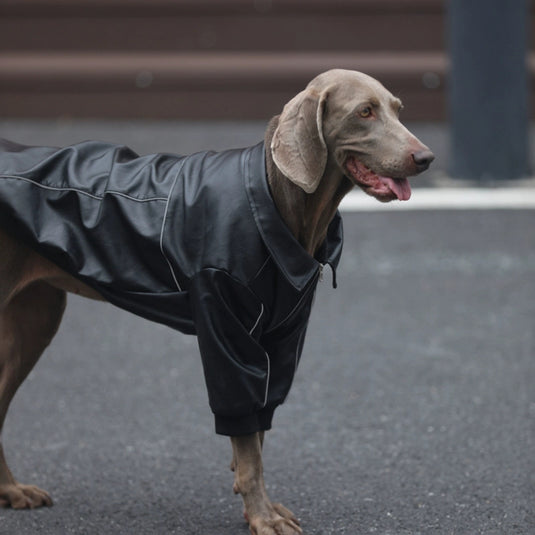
[20,496]
[279,521]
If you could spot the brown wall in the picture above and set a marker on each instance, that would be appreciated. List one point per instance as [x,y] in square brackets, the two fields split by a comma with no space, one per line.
[196,59]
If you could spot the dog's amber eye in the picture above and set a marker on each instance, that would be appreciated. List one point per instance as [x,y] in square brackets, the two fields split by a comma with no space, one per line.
[365,112]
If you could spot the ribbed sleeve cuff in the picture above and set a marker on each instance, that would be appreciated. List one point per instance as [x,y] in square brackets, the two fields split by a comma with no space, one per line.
[244,425]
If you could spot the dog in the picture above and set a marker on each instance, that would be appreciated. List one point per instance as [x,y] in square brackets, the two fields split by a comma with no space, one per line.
[228,246]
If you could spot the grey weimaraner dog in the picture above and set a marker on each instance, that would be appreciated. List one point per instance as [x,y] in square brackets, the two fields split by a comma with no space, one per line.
[342,130]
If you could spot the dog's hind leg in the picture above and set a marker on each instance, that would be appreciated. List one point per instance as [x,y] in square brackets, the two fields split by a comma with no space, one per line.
[28,321]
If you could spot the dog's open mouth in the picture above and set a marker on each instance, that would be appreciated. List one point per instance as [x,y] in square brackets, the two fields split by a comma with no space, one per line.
[382,188]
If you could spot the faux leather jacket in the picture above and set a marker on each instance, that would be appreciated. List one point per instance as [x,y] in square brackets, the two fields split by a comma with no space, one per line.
[192,242]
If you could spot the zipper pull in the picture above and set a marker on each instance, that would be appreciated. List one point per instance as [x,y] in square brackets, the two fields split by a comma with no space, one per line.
[321,272]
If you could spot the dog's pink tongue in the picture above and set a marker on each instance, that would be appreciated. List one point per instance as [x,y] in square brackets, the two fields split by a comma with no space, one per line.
[400,187]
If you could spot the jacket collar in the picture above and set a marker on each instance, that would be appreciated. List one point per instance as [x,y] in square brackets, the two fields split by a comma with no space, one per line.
[291,258]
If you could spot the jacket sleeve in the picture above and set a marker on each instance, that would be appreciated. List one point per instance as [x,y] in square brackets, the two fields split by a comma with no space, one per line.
[228,319]
[285,345]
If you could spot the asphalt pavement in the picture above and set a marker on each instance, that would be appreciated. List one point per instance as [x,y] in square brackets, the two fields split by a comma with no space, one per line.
[412,412]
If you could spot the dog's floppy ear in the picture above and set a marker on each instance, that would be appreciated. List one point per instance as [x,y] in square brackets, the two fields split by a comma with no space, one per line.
[298,147]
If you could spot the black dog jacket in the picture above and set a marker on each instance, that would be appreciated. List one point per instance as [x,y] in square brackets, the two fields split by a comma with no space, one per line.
[192,242]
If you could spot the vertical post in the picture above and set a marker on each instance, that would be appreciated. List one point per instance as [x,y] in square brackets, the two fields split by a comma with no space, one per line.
[488,89]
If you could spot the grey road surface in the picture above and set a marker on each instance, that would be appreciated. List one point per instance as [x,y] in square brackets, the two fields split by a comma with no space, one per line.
[413,410]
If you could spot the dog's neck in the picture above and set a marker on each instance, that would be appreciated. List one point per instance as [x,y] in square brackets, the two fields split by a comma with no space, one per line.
[307,214]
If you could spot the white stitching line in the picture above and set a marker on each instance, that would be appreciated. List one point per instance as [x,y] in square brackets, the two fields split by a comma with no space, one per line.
[53,188]
[135,199]
[265,352]
[268,378]
[163,227]
[262,267]
[258,320]
[82,192]
[56,188]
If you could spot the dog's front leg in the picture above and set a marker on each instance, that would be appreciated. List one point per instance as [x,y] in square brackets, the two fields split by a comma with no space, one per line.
[264,517]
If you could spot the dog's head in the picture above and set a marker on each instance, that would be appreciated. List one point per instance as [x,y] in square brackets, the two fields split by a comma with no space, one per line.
[348,119]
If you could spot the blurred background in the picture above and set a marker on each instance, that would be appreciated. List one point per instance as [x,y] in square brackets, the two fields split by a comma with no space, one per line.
[241,60]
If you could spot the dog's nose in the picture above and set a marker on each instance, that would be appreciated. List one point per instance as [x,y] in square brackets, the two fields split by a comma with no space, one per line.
[423,159]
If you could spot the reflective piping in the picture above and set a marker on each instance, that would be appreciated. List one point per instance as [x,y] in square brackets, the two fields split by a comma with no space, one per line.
[163,227]
[82,192]
[267,380]
[258,320]
[101,197]
[261,268]
[130,198]
[267,356]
